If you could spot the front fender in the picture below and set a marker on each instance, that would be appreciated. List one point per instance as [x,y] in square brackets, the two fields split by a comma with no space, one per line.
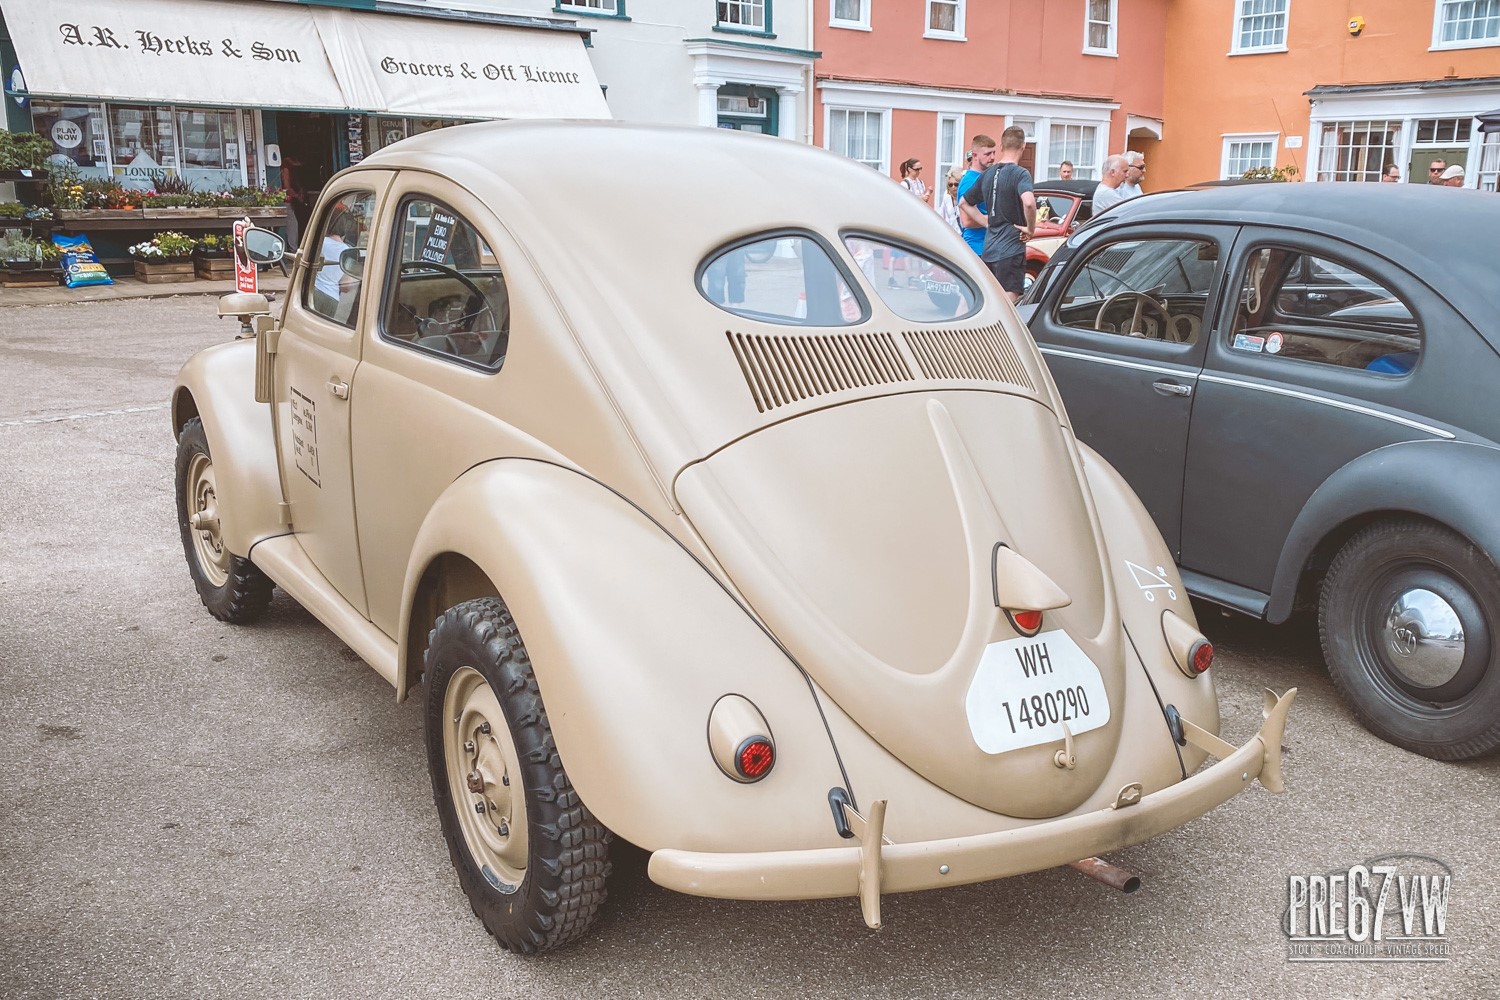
[1451,482]
[219,384]
[1147,585]
[632,642]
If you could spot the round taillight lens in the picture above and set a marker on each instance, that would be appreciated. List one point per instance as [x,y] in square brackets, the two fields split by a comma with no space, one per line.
[754,758]
[1026,622]
[1202,656]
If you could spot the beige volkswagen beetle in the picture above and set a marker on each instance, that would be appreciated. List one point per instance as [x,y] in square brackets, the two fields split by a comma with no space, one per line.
[726,508]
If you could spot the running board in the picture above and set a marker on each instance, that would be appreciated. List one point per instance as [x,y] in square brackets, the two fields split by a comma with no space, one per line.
[284,561]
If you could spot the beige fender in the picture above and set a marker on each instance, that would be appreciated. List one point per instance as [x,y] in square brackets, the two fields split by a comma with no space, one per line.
[1147,584]
[632,642]
[218,385]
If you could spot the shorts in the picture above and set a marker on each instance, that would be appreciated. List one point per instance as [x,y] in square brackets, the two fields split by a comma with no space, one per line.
[1010,272]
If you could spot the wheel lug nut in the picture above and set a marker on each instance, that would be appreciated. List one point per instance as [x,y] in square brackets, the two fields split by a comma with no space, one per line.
[468,746]
[479,807]
[484,727]
[504,829]
[475,781]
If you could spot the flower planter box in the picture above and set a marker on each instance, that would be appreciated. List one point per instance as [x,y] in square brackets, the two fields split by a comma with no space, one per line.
[154,272]
[29,277]
[85,214]
[214,267]
[23,174]
[256,212]
[180,213]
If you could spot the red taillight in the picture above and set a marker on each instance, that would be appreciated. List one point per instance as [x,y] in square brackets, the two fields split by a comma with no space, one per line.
[1202,656]
[1026,622]
[754,758]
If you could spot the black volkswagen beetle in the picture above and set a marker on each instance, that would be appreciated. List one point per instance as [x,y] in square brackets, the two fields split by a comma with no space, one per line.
[1300,382]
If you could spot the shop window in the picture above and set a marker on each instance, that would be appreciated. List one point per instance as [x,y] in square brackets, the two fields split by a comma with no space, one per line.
[1079,145]
[1260,26]
[334,291]
[143,144]
[1447,131]
[78,135]
[859,135]
[1307,308]
[750,15]
[945,19]
[1099,27]
[448,294]
[615,8]
[1247,152]
[849,13]
[211,147]
[381,131]
[1461,24]
[1357,150]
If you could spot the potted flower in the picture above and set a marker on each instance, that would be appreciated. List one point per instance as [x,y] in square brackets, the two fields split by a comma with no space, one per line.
[166,256]
[26,261]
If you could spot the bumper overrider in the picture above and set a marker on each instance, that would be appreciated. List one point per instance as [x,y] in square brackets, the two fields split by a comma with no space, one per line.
[877,866]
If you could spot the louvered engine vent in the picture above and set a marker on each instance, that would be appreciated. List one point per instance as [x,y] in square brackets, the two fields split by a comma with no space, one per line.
[782,370]
[983,354]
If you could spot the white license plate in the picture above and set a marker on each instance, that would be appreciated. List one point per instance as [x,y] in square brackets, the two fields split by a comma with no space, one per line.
[1026,689]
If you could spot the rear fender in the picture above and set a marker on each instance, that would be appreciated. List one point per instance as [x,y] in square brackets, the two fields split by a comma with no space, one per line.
[632,642]
[218,386]
[1147,585]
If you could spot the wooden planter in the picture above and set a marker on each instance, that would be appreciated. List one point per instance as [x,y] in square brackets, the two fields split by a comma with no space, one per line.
[180,213]
[154,272]
[214,267]
[87,214]
[258,213]
[30,277]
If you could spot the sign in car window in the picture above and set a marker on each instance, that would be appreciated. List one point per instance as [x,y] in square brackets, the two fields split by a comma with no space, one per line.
[439,234]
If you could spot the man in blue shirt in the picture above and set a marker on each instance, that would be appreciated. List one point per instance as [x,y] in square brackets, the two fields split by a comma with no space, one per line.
[981,155]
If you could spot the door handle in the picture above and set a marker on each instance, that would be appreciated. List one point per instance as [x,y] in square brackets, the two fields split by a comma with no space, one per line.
[339,389]
[1172,388]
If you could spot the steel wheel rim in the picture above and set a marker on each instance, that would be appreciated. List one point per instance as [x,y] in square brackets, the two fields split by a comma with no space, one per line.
[203,521]
[484,779]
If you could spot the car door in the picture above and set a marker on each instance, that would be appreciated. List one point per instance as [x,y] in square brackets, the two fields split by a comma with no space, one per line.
[1121,328]
[316,365]
[1316,360]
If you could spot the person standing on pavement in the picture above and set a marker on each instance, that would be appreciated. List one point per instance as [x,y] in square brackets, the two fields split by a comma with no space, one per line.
[981,155]
[911,179]
[1452,176]
[1108,191]
[947,205]
[1065,170]
[1135,172]
[1010,220]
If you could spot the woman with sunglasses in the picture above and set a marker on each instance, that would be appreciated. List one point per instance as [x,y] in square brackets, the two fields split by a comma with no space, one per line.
[911,179]
[947,205]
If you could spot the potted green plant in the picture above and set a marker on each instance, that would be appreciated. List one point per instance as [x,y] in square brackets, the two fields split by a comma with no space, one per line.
[27,261]
[213,256]
[166,256]
[22,155]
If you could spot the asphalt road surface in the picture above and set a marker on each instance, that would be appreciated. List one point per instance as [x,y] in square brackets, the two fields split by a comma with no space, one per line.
[189,809]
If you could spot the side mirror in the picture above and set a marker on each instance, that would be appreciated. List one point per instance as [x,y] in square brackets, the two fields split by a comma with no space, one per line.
[352,262]
[263,246]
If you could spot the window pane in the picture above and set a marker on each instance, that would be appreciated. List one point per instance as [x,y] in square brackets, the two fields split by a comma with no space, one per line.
[77,133]
[1470,20]
[1357,150]
[449,296]
[1155,289]
[789,280]
[211,147]
[334,291]
[1298,306]
[914,286]
[848,10]
[942,15]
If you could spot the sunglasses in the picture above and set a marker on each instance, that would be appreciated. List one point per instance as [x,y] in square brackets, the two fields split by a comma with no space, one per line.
[1434,170]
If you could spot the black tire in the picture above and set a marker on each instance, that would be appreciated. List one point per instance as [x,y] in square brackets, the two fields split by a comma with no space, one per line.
[232,589]
[541,892]
[1396,663]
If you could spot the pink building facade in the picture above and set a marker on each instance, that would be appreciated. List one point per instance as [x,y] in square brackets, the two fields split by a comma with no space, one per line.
[918,78]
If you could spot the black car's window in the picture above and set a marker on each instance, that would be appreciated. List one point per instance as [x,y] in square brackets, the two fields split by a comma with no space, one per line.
[1154,288]
[1310,308]
[333,291]
[448,293]
[914,285]
[781,279]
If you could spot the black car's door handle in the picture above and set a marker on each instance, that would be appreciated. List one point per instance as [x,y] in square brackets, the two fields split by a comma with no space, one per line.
[1172,388]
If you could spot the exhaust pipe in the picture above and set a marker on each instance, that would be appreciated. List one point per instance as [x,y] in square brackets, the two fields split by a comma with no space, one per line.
[1111,875]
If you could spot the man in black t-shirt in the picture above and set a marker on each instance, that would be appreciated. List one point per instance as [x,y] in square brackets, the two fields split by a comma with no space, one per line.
[1006,189]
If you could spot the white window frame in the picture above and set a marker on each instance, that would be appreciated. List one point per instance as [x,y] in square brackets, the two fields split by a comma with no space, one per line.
[609,8]
[883,115]
[1113,24]
[942,159]
[863,22]
[957,34]
[764,28]
[1240,14]
[1082,171]
[1438,8]
[1232,139]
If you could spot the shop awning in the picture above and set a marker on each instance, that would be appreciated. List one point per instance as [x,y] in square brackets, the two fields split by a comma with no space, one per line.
[270,55]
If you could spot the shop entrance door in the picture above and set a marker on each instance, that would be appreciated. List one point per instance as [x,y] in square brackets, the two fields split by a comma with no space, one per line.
[1420,158]
[747,109]
[307,147]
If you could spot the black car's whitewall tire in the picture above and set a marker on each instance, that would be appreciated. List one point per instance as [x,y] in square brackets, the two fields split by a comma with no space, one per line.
[529,855]
[1410,623]
[232,589]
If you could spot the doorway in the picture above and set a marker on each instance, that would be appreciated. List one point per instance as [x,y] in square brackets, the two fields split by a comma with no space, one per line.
[748,109]
[1420,158]
[307,147]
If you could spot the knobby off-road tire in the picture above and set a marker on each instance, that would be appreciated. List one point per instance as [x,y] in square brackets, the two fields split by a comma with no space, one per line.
[529,855]
[1409,617]
[231,588]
